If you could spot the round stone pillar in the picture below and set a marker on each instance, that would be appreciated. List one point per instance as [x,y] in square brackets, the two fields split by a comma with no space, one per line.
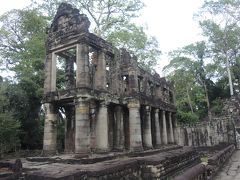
[147,134]
[102,128]
[135,126]
[157,128]
[164,128]
[171,138]
[82,127]
[50,129]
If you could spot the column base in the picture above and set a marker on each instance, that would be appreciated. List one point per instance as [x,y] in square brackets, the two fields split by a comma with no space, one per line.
[158,146]
[136,149]
[49,152]
[101,150]
[148,148]
[81,155]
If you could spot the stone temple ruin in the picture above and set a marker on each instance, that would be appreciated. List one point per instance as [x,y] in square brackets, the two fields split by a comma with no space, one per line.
[120,121]
[110,103]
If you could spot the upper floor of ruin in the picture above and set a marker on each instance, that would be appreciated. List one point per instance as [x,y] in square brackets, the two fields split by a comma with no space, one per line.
[79,63]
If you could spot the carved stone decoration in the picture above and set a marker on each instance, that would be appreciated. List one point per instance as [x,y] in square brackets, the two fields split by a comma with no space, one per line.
[67,22]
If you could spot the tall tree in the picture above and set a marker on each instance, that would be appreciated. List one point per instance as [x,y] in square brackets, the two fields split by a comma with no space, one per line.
[191,62]
[220,23]
[9,126]
[22,36]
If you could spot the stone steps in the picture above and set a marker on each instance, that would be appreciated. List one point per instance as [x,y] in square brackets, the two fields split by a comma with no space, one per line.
[154,165]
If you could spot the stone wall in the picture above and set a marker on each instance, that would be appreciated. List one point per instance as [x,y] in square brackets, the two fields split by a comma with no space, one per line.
[219,130]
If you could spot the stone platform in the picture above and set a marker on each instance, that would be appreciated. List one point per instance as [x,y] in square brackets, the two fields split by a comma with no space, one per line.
[231,170]
[161,163]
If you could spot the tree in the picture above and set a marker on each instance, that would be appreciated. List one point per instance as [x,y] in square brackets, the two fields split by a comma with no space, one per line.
[22,38]
[9,126]
[221,25]
[112,20]
[191,71]
[134,39]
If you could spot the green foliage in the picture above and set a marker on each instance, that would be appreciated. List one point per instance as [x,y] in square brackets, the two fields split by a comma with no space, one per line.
[112,20]
[222,29]
[217,106]
[22,38]
[25,103]
[9,133]
[187,117]
[203,72]
[191,74]
[9,126]
[134,39]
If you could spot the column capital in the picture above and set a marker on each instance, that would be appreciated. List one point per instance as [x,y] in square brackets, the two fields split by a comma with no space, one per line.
[103,50]
[148,109]
[156,110]
[133,104]
[104,104]
[81,100]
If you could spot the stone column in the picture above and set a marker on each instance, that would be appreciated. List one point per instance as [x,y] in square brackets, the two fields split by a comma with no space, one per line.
[53,72]
[50,129]
[82,74]
[69,73]
[147,134]
[82,127]
[176,129]
[171,138]
[157,128]
[164,128]
[135,126]
[69,129]
[100,74]
[119,130]
[102,128]
[48,73]
[158,91]
[133,81]
[189,135]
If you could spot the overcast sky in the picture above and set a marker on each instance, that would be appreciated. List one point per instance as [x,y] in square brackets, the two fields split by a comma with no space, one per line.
[171,21]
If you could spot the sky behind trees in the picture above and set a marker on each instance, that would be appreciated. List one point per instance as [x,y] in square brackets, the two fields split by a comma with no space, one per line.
[171,22]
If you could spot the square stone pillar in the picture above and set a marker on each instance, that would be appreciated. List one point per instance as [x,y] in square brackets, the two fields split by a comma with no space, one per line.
[157,128]
[133,80]
[171,138]
[82,127]
[100,74]
[102,143]
[69,129]
[135,126]
[147,133]
[50,73]
[175,128]
[53,72]
[50,129]
[82,74]
[164,128]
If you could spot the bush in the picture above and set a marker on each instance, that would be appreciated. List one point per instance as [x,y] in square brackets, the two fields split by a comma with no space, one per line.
[187,117]
[9,134]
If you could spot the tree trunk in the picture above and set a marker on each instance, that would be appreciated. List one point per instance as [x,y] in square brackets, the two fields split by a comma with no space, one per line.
[229,76]
[189,101]
[207,100]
